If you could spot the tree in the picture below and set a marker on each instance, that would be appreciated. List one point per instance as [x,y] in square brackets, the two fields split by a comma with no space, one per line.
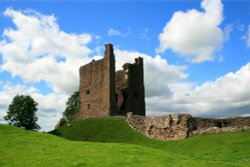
[72,106]
[22,113]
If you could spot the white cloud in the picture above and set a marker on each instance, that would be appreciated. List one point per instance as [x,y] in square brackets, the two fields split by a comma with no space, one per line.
[38,50]
[50,106]
[247,37]
[144,34]
[156,69]
[194,34]
[227,30]
[227,95]
[240,27]
[113,32]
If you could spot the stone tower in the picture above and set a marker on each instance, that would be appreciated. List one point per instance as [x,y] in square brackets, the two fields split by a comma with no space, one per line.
[130,89]
[97,87]
[104,92]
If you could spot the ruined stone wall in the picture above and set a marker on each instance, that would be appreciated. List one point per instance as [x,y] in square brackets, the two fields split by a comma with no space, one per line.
[212,125]
[200,123]
[130,95]
[180,126]
[136,87]
[121,91]
[167,127]
[97,87]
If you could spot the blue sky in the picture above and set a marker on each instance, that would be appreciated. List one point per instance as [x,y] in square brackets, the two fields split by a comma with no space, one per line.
[196,53]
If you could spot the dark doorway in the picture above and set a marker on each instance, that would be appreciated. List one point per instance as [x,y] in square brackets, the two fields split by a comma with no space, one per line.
[219,124]
[124,103]
[116,97]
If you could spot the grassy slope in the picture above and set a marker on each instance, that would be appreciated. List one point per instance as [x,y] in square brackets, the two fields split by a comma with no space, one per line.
[227,149]
[25,148]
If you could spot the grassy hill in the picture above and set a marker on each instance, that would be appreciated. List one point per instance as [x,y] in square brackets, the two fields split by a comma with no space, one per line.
[19,147]
[24,148]
[224,148]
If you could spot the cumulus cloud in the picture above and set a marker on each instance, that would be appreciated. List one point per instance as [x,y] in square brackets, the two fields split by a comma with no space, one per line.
[7,92]
[50,106]
[38,50]
[156,69]
[227,95]
[195,35]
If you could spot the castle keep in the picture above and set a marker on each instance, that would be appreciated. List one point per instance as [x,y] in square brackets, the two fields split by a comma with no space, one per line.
[104,92]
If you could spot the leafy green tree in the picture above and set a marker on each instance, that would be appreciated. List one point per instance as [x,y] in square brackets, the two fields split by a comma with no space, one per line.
[22,113]
[72,106]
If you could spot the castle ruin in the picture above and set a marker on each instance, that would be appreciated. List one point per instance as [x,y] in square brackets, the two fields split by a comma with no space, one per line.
[105,92]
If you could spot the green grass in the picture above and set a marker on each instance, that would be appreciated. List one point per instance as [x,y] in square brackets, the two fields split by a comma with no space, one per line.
[111,130]
[224,148]
[24,148]
[122,147]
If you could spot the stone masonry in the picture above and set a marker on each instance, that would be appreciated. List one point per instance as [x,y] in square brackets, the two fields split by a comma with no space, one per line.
[167,127]
[130,89]
[213,125]
[180,126]
[104,92]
